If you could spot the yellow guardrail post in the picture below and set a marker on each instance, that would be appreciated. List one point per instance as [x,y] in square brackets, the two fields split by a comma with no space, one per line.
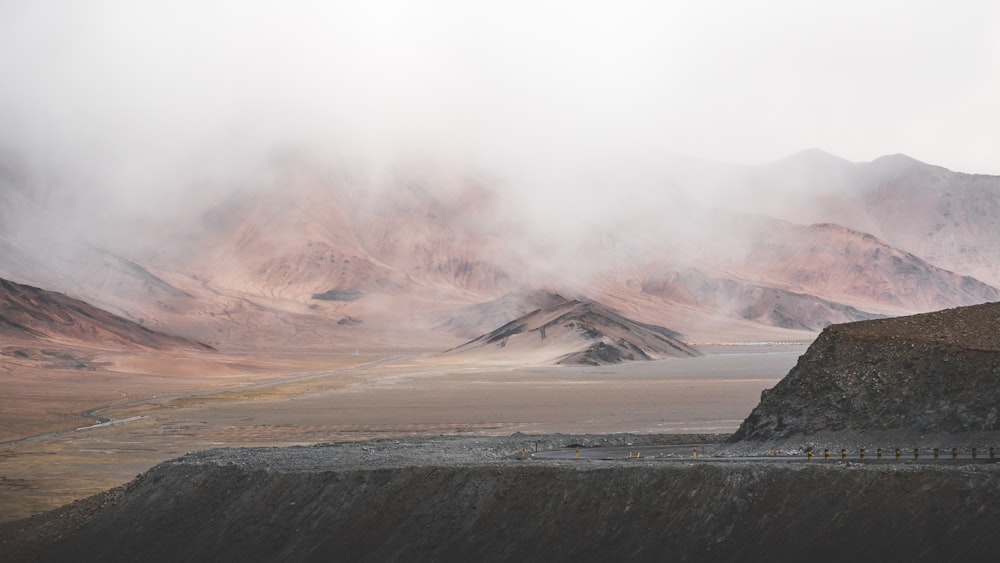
[861,454]
[694,453]
[916,453]
[578,453]
[843,454]
[878,454]
[826,454]
[809,455]
[935,454]
[898,454]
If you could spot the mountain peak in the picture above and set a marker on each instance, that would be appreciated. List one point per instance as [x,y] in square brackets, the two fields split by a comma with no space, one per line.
[900,161]
[817,153]
[578,332]
[814,157]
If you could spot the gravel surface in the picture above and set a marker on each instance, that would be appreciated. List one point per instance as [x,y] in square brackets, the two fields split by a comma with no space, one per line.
[421,451]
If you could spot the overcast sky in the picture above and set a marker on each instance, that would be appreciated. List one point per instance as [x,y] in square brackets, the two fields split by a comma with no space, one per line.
[148,88]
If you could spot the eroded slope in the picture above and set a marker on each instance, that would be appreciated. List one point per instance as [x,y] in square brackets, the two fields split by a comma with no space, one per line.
[901,378]
[31,313]
[339,503]
[578,333]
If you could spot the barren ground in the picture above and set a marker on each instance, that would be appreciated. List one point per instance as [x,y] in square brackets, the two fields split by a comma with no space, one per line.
[413,395]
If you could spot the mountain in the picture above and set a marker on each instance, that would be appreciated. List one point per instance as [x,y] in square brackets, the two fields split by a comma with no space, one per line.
[772,273]
[38,247]
[30,313]
[244,270]
[422,233]
[572,332]
[315,253]
[950,219]
[751,301]
[473,320]
[857,268]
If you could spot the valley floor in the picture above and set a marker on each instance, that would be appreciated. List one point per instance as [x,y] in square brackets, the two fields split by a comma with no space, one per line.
[408,395]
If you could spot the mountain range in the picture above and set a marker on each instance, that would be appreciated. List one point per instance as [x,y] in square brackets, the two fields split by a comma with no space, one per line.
[338,255]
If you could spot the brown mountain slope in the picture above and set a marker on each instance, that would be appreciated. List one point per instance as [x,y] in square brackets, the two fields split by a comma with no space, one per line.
[858,269]
[418,233]
[772,273]
[925,379]
[474,320]
[38,248]
[245,272]
[751,301]
[950,219]
[577,333]
[31,313]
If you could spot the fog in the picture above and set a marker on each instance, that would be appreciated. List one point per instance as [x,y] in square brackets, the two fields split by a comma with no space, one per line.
[144,103]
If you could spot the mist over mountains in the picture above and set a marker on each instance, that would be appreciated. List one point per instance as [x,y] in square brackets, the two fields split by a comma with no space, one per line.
[717,253]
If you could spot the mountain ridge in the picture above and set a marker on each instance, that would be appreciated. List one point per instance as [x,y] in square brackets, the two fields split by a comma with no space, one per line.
[422,244]
[32,313]
[574,332]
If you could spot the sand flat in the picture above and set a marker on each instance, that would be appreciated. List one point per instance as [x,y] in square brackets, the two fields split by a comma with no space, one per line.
[708,394]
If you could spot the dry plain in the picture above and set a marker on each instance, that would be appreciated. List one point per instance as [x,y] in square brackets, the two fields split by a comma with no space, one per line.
[307,398]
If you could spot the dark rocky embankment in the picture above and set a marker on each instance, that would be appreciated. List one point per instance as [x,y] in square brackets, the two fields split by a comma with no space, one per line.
[350,503]
[923,380]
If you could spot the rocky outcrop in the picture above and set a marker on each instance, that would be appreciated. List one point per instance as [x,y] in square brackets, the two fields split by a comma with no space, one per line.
[931,374]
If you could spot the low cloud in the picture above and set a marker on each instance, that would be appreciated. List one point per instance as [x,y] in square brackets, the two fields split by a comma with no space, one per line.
[576,109]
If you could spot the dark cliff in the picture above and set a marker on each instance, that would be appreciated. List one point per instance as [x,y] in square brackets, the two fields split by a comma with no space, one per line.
[542,512]
[932,374]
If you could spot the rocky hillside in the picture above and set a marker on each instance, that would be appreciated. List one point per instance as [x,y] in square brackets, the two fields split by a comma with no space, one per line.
[572,332]
[856,268]
[762,304]
[30,313]
[475,320]
[418,231]
[339,502]
[930,378]
[950,219]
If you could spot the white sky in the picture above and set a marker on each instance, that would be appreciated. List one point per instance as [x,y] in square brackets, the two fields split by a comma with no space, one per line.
[136,88]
